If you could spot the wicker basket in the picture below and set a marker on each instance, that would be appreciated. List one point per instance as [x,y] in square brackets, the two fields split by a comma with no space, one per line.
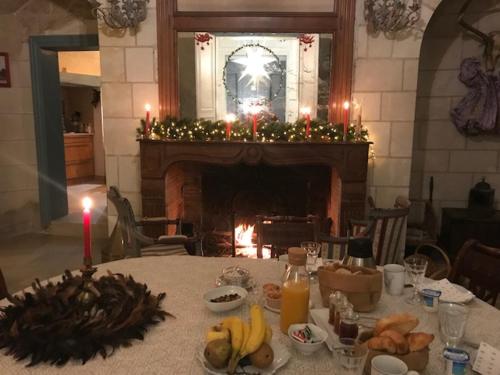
[363,289]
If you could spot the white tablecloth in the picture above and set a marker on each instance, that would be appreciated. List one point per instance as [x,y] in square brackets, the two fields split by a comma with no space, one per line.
[170,347]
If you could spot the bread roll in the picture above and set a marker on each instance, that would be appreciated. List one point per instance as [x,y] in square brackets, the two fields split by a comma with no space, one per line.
[402,323]
[419,340]
[399,340]
[385,344]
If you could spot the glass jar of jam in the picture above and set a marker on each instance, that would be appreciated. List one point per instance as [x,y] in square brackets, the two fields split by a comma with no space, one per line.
[336,298]
[348,327]
[339,310]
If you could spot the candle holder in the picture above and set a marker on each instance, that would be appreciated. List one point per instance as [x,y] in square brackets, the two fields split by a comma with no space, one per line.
[89,293]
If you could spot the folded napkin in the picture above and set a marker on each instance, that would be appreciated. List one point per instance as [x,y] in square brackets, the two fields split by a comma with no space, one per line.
[450,292]
[487,360]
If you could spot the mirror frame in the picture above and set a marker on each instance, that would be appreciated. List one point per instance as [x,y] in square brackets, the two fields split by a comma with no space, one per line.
[339,23]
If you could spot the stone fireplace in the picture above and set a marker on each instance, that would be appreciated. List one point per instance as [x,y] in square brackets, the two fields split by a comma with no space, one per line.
[216,185]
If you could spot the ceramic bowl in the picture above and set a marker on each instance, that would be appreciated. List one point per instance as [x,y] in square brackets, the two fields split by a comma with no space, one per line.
[221,291]
[308,348]
[235,275]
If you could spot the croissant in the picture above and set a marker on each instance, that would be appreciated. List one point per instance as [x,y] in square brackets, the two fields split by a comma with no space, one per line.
[402,323]
[402,346]
[385,344]
[419,340]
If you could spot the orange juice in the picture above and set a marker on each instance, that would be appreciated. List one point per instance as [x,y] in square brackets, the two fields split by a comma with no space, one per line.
[294,303]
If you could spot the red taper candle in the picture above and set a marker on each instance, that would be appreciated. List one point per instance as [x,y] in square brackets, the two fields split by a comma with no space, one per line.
[87,204]
[147,107]
[346,119]
[306,111]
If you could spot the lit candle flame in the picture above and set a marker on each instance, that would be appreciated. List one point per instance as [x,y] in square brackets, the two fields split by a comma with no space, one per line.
[346,105]
[305,110]
[147,107]
[87,204]
[230,117]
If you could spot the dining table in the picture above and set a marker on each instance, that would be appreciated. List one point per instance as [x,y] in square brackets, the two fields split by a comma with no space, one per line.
[173,346]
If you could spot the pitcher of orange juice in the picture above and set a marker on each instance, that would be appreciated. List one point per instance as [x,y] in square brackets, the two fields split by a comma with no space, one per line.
[295,290]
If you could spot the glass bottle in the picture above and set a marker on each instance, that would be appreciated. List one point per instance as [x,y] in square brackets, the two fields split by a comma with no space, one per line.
[295,290]
[334,300]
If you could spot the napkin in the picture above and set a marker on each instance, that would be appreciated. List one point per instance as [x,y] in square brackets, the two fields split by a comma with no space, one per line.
[487,360]
[450,292]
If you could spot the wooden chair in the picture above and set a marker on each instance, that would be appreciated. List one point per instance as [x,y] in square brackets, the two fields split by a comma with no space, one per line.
[387,228]
[282,232]
[3,287]
[136,244]
[334,248]
[422,221]
[477,268]
[439,265]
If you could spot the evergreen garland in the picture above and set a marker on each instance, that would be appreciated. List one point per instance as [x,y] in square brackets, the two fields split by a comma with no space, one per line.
[267,131]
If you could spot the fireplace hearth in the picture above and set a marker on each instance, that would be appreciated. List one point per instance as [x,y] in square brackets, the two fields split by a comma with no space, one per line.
[219,185]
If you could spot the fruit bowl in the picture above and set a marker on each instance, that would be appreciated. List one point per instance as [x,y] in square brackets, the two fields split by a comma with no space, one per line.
[308,348]
[224,291]
[281,357]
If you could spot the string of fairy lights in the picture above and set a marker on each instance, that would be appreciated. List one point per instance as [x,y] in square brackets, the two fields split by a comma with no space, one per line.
[267,131]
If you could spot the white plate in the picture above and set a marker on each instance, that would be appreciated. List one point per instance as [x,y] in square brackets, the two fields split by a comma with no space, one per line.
[281,357]
[450,292]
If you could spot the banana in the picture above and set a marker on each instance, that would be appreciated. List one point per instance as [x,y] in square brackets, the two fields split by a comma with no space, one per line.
[269,334]
[246,333]
[235,326]
[257,330]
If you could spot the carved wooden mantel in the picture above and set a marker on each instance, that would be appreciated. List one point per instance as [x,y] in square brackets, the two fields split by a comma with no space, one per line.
[348,163]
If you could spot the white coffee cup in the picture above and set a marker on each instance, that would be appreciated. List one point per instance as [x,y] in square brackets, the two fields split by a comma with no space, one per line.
[388,365]
[394,279]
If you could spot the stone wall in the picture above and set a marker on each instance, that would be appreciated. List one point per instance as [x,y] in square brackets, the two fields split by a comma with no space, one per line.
[18,170]
[456,162]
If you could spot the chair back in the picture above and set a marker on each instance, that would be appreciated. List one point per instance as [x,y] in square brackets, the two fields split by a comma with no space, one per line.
[477,268]
[126,223]
[282,232]
[3,287]
[333,248]
[387,230]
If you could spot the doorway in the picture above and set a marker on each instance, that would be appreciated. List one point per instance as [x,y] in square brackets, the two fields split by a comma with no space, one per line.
[68,124]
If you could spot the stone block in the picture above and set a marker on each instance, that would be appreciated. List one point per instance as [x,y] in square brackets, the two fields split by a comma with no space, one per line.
[370,105]
[11,100]
[398,106]
[379,45]
[111,170]
[378,75]
[430,108]
[416,186]
[18,152]
[120,136]
[410,75]
[11,127]
[440,83]
[408,48]
[145,93]
[441,53]
[112,64]
[449,186]
[116,38]
[386,196]
[129,174]
[392,172]
[139,64]
[116,100]
[401,139]
[361,46]
[441,135]
[380,135]
[483,143]
[436,161]
[474,161]
[146,35]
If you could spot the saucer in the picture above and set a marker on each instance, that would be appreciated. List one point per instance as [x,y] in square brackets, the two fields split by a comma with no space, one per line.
[250,284]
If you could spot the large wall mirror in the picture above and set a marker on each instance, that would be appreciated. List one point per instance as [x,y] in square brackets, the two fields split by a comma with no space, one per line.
[221,73]
[214,63]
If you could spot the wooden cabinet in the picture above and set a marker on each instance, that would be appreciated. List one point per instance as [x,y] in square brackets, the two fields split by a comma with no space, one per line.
[79,157]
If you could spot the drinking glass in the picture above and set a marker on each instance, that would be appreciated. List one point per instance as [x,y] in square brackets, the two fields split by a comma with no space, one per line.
[415,271]
[312,249]
[350,358]
[452,322]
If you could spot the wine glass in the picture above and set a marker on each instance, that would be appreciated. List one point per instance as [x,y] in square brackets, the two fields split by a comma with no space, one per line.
[415,271]
[312,249]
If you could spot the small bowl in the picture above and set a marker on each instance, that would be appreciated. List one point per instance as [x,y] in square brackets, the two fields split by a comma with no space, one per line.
[236,275]
[308,348]
[221,291]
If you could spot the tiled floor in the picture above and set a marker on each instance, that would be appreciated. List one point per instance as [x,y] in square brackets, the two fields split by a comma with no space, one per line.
[26,257]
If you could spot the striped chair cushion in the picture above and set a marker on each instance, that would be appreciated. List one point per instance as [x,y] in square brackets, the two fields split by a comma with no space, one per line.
[160,250]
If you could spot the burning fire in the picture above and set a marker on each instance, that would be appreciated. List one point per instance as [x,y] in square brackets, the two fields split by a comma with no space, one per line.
[245,245]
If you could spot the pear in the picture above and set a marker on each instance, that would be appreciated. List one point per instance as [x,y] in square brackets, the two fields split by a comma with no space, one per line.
[263,357]
[218,352]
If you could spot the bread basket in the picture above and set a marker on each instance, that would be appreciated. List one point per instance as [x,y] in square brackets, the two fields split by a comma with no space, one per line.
[362,286]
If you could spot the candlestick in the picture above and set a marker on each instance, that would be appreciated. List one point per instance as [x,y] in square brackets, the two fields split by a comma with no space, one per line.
[346,119]
[230,118]
[147,107]
[87,253]
[306,111]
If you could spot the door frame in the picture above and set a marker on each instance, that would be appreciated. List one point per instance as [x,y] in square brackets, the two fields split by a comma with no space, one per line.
[88,42]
